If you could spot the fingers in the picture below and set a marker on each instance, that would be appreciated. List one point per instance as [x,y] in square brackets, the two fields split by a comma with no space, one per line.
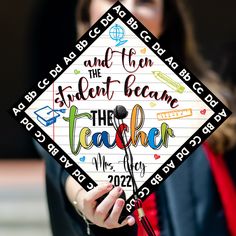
[107,213]
[89,199]
[105,206]
[112,220]
[115,214]
[97,192]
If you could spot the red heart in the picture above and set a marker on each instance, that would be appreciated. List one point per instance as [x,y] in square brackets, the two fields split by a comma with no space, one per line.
[156,156]
[203,112]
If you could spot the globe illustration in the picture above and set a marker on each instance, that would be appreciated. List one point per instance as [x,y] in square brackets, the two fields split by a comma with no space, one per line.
[117,33]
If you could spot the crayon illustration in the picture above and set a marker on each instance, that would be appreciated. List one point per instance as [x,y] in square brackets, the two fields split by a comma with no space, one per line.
[169,81]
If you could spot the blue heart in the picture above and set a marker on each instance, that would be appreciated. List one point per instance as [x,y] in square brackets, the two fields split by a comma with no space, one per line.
[82,159]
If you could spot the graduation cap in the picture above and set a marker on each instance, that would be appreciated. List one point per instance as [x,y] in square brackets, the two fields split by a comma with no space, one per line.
[131,117]
[47,116]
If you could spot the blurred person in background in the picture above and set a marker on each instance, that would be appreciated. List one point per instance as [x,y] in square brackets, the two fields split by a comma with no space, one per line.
[199,198]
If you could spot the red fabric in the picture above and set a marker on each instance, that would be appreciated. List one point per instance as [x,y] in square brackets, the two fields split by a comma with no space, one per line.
[225,186]
[150,209]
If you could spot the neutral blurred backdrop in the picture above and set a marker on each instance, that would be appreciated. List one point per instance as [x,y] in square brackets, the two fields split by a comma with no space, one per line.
[25,26]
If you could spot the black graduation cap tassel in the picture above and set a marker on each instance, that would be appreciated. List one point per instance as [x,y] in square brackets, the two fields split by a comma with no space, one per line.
[121,113]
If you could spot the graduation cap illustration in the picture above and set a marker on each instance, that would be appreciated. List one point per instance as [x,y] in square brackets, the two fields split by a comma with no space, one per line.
[133,122]
[47,116]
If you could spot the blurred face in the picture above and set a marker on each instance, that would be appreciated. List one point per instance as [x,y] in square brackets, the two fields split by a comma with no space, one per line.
[149,12]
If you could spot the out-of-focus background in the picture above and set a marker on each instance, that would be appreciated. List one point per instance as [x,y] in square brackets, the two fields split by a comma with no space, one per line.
[25,29]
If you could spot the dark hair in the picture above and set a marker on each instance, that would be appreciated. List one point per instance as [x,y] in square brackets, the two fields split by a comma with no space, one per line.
[178,37]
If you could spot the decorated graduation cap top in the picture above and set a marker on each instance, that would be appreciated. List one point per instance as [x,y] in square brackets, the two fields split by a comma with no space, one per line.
[163,112]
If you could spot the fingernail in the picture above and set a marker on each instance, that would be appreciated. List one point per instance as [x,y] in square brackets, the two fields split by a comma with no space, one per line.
[130,220]
[109,186]
[119,190]
[120,203]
